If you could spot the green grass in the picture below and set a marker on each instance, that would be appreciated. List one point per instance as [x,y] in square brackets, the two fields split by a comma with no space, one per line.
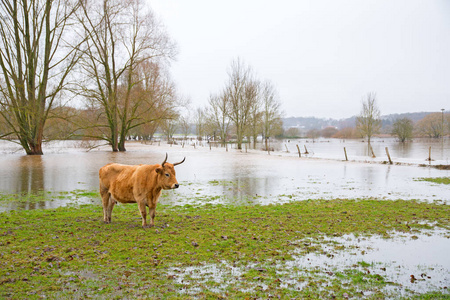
[43,196]
[440,180]
[69,253]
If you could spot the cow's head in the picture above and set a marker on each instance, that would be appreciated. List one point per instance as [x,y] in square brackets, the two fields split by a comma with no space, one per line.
[167,174]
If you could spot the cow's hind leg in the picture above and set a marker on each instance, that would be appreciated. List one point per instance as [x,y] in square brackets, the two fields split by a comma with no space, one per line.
[110,207]
[105,201]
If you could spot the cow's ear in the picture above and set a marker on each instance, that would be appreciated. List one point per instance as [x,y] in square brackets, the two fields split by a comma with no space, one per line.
[159,170]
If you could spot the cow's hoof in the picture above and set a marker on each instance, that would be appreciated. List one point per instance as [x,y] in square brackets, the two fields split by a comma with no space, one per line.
[107,222]
[147,226]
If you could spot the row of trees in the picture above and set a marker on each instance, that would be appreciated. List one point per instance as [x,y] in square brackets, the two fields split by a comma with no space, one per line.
[110,54]
[247,105]
[368,123]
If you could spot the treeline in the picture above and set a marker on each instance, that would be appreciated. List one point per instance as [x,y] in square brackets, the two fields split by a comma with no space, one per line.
[430,125]
[244,110]
[99,70]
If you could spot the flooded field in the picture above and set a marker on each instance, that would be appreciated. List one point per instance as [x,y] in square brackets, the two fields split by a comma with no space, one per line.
[218,176]
[415,152]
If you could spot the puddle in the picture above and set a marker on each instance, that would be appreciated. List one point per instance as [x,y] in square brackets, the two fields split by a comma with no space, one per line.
[417,263]
[409,264]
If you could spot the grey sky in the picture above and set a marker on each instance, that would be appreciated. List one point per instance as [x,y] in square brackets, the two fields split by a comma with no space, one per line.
[323,56]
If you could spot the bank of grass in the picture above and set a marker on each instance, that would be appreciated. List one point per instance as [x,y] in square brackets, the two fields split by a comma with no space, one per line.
[198,251]
[440,180]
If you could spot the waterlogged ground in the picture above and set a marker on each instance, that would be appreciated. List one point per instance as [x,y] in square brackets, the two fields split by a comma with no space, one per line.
[220,234]
[316,249]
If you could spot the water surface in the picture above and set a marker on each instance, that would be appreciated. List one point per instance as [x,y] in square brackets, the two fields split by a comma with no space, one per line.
[219,176]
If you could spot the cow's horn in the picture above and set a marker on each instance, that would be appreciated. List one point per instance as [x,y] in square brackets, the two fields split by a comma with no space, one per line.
[179,162]
[165,160]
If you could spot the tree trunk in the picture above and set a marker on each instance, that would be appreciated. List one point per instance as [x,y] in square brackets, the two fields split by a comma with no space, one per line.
[121,145]
[35,148]
[122,139]
[114,139]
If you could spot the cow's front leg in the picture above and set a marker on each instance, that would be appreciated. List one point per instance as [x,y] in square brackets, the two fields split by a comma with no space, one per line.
[143,210]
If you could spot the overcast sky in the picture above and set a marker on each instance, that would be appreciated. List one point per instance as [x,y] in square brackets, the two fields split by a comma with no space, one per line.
[323,56]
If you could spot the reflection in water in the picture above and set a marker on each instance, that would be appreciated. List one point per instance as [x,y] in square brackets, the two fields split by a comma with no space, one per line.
[403,149]
[30,175]
[387,174]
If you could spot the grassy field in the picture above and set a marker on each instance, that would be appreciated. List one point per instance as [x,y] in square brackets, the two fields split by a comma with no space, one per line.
[208,251]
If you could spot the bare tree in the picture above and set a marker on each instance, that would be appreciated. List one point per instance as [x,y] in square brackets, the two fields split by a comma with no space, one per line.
[169,126]
[271,115]
[121,35]
[368,122]
[185,126]
[430,125]
[218,111]
[200,123]
[239,92]
[34,65]
[403,129]
[153,98]
[313,134]
[255,124]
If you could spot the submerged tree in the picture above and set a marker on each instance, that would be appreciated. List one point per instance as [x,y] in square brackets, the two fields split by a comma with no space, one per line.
[368,122]
[34,65]
[241,96]
[403,129]
[218,115]
[271,115]
[431,125]
[248,106]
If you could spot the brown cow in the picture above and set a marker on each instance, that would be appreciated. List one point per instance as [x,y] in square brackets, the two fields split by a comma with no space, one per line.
[141,184]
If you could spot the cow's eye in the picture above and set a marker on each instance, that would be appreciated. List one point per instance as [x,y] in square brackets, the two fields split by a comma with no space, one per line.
[167,175]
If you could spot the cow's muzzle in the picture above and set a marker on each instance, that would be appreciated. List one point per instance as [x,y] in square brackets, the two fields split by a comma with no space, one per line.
[175,186]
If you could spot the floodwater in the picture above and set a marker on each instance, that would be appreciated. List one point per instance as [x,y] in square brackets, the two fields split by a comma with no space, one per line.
[219,176]
[415,152]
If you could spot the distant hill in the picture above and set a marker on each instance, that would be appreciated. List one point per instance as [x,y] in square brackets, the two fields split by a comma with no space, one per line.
[390,119]
[308,123]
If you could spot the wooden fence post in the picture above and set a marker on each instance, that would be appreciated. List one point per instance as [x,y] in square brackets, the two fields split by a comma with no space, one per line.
[306,150]
[389,157]
[373,153]
[345,151]
[299,153]
[287,150]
